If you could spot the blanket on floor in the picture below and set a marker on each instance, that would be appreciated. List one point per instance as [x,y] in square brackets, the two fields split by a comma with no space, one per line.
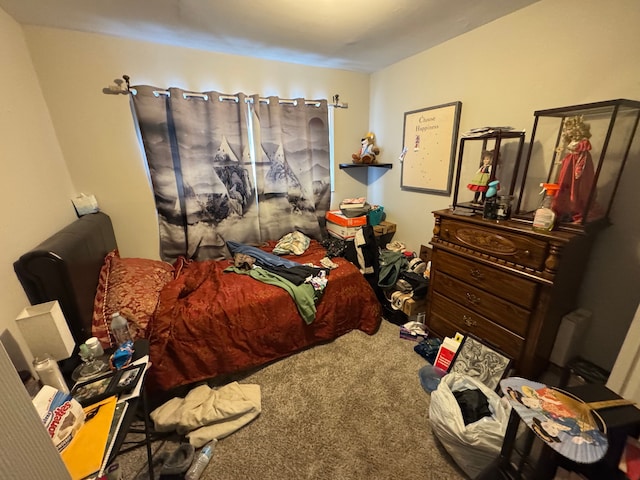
[207,413]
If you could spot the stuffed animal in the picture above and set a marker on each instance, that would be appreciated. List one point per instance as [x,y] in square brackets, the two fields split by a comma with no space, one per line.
[368,151]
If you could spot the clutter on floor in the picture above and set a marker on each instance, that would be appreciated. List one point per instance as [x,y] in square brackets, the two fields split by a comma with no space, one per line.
[207,413]
[428,349]
[475,445]
[430,377]
[414,330]
[170,464]
[474,404]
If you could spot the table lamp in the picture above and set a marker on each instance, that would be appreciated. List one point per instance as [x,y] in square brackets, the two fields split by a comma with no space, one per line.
[47,335]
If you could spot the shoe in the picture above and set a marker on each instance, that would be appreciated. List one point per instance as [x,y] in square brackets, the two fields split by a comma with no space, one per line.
[396,246]
[178,462]
[157,461]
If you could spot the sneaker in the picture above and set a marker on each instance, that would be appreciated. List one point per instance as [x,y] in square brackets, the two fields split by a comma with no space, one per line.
[396,246]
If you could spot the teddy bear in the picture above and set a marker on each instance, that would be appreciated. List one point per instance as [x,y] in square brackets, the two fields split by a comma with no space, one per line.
[368,151]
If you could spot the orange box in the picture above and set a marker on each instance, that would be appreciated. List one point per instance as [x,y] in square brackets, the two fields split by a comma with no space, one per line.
[337,217]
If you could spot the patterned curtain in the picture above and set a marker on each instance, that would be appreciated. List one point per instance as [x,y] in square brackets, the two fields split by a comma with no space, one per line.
[232,167]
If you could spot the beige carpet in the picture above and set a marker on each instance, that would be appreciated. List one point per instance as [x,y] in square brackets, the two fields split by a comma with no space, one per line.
[352,409]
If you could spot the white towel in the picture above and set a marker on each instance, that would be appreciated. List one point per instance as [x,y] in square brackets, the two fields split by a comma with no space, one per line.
[207,413]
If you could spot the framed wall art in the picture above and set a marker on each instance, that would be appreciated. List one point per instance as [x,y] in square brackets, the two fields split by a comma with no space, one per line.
[429,143]
[476,359]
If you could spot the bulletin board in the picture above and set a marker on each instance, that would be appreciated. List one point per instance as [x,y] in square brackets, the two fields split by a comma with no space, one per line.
[429,143]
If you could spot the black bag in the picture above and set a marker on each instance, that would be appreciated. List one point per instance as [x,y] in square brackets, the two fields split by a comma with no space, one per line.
[418,282]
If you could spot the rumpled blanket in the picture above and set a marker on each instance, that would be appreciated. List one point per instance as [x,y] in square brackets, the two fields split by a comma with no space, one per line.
[207,413]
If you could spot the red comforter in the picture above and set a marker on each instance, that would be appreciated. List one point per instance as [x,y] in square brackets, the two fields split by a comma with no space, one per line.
[209,322]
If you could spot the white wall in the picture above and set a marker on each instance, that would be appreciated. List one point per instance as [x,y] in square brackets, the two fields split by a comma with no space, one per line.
[553,53]
[36,190]
[96,131]
[36,186]
[625,375]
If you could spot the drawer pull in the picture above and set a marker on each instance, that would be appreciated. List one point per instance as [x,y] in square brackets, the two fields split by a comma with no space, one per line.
[468,321]
[471,298]
[477,274]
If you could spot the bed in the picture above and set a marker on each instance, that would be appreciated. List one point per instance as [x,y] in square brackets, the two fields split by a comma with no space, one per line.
[201,321]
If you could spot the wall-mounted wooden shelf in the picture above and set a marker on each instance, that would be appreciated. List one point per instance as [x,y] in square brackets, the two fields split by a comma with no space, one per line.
[365,165]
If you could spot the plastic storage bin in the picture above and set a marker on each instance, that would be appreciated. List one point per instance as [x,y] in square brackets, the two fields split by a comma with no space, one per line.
[376,215]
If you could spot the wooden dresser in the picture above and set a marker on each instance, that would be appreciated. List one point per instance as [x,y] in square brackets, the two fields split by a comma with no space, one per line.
[505,284]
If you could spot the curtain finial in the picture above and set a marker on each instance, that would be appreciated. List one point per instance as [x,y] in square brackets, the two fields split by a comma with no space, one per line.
[117,88]
[336,102]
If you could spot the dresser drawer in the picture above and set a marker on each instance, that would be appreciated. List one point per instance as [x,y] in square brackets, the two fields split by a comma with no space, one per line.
[500,311]
[512,288]
[448,317]
[512,247]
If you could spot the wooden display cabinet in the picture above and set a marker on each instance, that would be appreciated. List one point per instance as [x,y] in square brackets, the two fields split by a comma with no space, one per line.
[504,283]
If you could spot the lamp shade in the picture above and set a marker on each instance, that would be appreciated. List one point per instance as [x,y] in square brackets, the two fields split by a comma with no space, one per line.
[45,330]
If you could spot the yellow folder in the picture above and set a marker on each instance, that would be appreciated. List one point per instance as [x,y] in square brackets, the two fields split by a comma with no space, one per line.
[84,454]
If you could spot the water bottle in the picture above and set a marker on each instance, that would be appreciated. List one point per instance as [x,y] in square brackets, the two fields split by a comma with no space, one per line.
[201,461]
[120,329]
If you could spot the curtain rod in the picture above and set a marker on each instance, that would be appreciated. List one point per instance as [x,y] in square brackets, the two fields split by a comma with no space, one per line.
[118,88]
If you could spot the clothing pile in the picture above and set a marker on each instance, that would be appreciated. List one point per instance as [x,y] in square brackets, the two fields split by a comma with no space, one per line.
[304,283]
[403,275]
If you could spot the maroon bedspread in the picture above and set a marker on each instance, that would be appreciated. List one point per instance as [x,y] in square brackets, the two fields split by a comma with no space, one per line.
[209,322]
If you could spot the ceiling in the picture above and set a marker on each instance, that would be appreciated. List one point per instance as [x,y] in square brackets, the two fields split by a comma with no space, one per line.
[356,35]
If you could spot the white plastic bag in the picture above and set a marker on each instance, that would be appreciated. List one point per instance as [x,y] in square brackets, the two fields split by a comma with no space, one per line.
[472,446]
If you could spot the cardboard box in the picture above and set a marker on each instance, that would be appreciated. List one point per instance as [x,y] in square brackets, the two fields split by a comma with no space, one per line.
[413,307]
[384,228]
[342,232]
[337,217]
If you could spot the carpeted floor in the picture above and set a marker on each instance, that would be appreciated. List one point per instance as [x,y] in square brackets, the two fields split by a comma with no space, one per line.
[352,409]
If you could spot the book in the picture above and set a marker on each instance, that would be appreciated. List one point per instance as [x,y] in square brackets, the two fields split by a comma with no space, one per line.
[348,203]
[446,352]
[84,455]
[482,131]
[118,416]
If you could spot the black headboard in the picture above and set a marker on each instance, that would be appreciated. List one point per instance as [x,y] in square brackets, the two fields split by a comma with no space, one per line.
[66,267]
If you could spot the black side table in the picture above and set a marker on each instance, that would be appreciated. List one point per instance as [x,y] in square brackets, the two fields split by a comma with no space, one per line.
[517,462]
[141,348]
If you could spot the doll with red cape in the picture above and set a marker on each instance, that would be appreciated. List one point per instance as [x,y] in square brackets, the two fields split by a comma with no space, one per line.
[576,175]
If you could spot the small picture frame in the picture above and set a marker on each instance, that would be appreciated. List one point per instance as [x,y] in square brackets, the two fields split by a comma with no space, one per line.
[94,390]
[476,359]
[113,383]
[127,379]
